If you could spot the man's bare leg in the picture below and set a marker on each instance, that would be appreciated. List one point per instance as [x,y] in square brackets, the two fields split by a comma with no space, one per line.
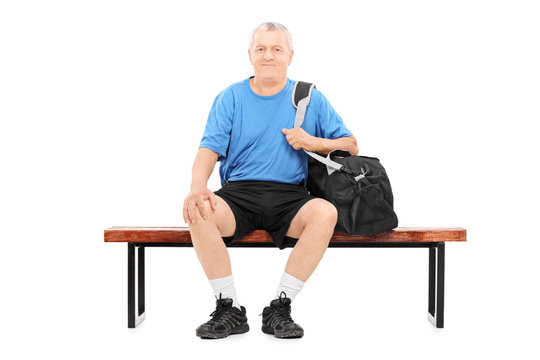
[206,236]
[313,226]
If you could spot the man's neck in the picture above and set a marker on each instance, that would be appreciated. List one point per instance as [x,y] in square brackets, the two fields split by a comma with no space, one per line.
[267,87]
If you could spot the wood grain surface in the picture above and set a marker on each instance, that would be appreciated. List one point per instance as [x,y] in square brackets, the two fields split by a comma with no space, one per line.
[182,235]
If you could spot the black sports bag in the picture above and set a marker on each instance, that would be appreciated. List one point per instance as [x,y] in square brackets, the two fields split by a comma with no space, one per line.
[358,186]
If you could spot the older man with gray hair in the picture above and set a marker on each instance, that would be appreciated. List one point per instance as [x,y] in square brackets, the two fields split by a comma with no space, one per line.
[250,130]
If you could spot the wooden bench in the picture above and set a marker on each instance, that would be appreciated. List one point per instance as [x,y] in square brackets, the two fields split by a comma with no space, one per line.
[432,238]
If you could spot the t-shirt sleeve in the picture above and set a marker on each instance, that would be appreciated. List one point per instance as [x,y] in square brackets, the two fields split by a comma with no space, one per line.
[331,124]
[217,132]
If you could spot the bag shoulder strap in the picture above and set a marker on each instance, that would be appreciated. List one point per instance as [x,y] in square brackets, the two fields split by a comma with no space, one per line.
[301,90]
[301,96]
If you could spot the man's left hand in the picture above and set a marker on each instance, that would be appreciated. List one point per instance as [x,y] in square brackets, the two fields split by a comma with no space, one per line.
[299,139]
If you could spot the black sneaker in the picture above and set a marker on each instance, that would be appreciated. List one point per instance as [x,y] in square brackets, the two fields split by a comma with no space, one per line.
[226,320]
[277,319]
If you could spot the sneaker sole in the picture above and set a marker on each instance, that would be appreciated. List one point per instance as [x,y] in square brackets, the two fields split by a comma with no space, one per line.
[292,334]
[244,328]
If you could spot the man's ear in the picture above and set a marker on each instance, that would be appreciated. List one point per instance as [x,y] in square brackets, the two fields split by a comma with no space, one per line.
[291,56]
[249,53]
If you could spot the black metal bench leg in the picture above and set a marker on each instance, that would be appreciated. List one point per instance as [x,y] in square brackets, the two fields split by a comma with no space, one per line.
[135,291]
[436,285]
[140,275]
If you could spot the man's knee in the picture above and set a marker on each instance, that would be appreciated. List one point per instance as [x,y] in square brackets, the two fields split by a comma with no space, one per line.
[330,213]
[205,208]
[222,217]
[324,213]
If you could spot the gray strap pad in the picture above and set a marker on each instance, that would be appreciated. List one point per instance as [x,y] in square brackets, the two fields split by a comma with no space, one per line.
[301,96]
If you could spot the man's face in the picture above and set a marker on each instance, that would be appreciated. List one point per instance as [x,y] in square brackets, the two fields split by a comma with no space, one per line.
[270,55]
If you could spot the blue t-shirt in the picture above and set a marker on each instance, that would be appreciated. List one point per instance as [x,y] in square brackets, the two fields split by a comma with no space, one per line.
[244,128]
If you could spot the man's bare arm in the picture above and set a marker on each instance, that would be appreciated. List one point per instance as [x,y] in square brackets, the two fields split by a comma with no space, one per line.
[203,166]
[300,139]
[324,146]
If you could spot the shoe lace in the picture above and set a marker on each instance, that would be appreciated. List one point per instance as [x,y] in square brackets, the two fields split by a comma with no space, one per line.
[220,312]
[282,310]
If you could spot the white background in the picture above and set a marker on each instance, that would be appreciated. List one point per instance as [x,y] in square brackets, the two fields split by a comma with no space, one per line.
[103,105]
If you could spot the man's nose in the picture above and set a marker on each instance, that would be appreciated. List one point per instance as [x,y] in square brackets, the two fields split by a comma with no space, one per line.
[268,55]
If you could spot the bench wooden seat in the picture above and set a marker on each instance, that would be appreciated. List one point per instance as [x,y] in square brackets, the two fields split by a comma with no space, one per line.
[182,235]
[433,238]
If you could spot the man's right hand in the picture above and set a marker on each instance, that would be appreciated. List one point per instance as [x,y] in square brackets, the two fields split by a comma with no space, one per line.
[195,200]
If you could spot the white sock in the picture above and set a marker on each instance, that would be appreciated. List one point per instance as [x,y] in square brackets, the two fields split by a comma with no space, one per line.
[290,285]
[225,286]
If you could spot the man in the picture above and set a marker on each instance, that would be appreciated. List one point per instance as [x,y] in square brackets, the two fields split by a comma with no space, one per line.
[263,176]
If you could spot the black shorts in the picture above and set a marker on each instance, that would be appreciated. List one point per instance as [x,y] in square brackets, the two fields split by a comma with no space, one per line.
[263,205]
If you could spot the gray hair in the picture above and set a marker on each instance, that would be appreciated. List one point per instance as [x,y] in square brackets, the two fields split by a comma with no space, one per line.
[272,26]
